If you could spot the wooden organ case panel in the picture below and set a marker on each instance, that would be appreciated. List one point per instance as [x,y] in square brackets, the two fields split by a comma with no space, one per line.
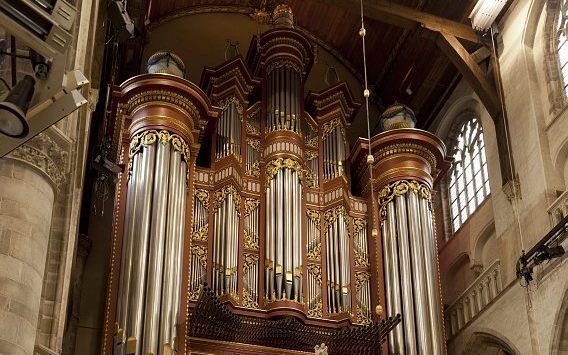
[276,229]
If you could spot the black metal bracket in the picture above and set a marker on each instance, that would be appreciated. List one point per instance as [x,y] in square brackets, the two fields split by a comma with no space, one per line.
[547,248]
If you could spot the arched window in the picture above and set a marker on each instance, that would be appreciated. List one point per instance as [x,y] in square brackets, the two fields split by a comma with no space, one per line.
[562,42]
[469,182]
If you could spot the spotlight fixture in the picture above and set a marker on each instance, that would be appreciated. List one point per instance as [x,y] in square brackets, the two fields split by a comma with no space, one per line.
[13,110]
[548,248]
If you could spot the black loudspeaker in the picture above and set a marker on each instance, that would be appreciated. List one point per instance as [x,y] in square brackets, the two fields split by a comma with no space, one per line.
[121,22]
[13,110]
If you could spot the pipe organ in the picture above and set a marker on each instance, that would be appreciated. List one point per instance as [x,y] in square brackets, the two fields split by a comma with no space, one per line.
[266,217]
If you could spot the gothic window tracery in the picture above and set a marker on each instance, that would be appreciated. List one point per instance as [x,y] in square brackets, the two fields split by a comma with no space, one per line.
[468,178]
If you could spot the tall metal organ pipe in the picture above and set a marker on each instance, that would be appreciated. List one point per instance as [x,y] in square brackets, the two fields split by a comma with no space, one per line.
[410,158]
[148,305]
[284,88]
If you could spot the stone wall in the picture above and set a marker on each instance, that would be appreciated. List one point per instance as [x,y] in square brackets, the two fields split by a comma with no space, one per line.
[521,320]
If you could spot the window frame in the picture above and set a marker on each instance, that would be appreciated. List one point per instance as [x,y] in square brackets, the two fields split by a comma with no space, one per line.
[468,178]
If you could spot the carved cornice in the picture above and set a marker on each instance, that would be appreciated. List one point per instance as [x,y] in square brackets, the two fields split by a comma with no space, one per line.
[400,188]
[44,154]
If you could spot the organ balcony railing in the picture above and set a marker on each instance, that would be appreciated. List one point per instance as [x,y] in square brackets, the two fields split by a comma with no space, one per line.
[474,300]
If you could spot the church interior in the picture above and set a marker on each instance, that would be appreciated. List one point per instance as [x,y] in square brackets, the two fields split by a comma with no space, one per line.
[283,177]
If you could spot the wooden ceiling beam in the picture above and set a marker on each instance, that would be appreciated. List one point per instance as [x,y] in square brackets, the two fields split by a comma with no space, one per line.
[407,17]
[468,67]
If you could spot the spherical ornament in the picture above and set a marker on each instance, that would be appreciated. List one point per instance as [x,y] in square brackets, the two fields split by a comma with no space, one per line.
[166,63]
[379,310]
[370,159]
[398,116]
[374,233]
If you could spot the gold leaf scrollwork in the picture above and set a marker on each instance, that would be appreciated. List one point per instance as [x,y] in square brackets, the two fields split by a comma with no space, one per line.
[251,204]
[362,318]
[248,301]
[332,214]
[361,277]
[311,155]
[314,216]
[148,138]
[250,242]
[315,253]
[312,142]
[360,260]
[252,129]
[359,225]
[314,271]
[201,234]
[317,311]
[255,169]
[400,188]
[203,197]
[201,253]
[222,194]
[276,165]
[254,143]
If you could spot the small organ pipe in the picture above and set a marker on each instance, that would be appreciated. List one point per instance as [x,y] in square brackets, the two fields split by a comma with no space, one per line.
[180,231]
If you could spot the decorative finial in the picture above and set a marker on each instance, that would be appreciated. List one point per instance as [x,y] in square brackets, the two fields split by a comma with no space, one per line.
[283,16]
[398,116]
[379,310]
[165,62]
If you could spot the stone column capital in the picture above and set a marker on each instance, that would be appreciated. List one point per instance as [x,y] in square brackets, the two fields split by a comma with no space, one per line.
[46,154]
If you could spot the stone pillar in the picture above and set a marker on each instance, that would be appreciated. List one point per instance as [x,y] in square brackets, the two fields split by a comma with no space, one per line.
[27,179]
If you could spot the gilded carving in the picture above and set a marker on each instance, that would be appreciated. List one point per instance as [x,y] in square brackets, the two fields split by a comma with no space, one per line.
[315,253]
[312,142]
[362,318]
[201,253]
[314,216]
[251,204]
[361,277]
[311,155]
[148,138]
[360,260]
[332,214]
[314,271]
[254,143]
[201,234]
[317,311]
[250,242]
[399,188]
[248,301]
[277,164]
[222,194]
[203,197]
[252,129]
[328,127]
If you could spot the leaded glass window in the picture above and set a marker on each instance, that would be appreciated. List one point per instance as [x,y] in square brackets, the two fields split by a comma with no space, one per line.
[469,181]
[562,43]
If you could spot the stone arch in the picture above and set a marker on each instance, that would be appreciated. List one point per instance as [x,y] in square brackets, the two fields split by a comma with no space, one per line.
[482,343]
[560,161]
[480,245]
[457,278]
[560,337]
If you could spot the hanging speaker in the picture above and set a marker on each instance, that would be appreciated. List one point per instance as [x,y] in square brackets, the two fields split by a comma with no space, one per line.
[13,110]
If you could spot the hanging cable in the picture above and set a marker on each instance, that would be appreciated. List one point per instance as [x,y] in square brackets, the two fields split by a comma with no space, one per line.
[366,94]
[509,154]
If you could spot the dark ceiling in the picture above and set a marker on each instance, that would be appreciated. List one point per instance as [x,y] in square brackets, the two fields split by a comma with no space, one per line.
[404,64]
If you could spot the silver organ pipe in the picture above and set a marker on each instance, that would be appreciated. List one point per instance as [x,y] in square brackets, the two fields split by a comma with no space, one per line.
[284,99]
[283,233]
[410,265]
[229,129]
[149,292]
[338,261]
[335,151]
[225,241]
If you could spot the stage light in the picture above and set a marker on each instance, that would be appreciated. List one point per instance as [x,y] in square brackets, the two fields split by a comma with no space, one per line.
[485,12]
[13,110]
